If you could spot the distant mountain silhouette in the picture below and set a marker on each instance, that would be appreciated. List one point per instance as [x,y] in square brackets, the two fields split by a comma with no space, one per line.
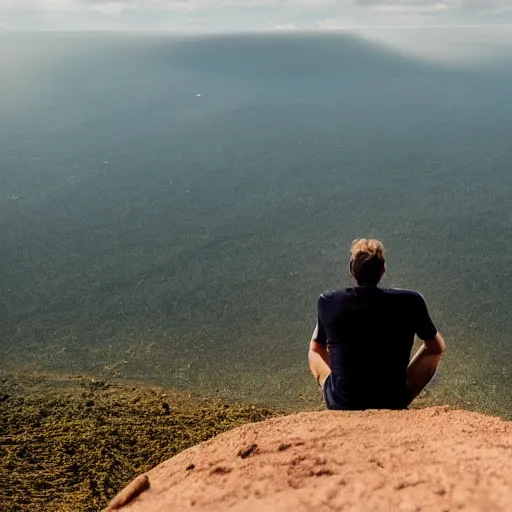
[292,55]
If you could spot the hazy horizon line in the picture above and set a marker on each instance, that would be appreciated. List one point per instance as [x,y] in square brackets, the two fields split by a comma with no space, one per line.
[275,30]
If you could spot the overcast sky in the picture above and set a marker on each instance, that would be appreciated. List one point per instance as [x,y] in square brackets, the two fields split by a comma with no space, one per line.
[207,16]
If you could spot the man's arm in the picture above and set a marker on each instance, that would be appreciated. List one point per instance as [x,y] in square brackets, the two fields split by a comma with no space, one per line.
[319,359]
[319,356]
[423,365]
[436,345]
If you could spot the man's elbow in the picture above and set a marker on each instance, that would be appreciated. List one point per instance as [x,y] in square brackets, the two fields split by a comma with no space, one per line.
[436,345]
[317,348]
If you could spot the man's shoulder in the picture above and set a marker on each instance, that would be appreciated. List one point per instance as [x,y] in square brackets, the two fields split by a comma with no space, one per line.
[335,296]
[347,293]
[403,294]
[401,291]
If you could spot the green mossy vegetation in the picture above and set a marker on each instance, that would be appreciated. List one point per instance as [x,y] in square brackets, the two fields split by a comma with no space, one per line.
[71,443]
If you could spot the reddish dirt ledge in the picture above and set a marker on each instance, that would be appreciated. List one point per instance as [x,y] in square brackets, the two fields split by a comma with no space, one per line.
[435,459]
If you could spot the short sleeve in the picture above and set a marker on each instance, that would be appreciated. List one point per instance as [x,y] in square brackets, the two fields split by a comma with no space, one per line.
[425,328]
[319,335]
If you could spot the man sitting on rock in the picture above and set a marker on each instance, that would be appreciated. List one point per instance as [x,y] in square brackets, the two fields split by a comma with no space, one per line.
[360,349]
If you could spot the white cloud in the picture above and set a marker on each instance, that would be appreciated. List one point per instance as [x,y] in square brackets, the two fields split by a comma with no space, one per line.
[111,8]
[286,26]
[246,15]
[412,9]
[338,23]
[396,24]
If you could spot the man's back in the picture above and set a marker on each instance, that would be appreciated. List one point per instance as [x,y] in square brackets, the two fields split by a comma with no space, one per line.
[370,332]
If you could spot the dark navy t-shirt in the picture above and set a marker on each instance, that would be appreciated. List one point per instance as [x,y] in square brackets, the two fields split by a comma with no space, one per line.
[370,332]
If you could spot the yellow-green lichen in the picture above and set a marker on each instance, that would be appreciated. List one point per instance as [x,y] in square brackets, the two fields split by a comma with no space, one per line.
[71,443]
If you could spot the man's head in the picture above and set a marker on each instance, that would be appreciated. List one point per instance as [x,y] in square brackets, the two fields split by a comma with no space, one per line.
[367,261]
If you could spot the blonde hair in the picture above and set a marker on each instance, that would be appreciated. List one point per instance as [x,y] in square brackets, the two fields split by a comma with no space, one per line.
[367,261]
